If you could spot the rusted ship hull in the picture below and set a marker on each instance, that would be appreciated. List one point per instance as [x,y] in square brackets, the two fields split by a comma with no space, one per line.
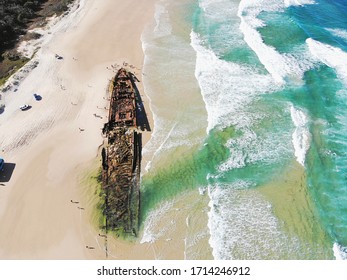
[121,157]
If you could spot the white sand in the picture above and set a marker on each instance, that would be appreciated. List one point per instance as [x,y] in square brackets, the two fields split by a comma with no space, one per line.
[45,143]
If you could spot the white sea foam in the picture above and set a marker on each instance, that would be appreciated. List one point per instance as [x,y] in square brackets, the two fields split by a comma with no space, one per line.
[341,33]
[301,136]
[227,88]
[152,231]
[340,252]
[230,103]
[250,148]
[222,13]
[218,10]
[202,190]
[242,225]
[331,56]
[298,2]
[280,66]
[241,222]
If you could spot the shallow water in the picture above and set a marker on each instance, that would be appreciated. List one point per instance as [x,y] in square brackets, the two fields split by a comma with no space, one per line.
[249,106]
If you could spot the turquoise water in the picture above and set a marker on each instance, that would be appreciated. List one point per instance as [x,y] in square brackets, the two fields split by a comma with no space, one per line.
[241,91]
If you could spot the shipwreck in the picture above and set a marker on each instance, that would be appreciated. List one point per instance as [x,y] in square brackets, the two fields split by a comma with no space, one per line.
[121,154]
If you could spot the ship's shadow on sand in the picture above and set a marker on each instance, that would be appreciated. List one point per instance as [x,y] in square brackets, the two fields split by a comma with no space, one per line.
[141,116]
[6,173]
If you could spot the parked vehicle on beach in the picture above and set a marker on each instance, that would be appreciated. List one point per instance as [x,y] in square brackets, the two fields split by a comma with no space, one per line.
[2,164]
[25,107]
[37,97]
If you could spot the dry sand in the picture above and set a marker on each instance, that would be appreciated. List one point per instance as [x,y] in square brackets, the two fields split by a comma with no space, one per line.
[55,141]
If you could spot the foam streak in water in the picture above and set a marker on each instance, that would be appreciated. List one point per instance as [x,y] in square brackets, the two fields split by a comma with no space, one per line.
[280,66]
[330,56]
[227,88]
[151,232]
[298,2]
[340,252]
[340,33]
[301,136]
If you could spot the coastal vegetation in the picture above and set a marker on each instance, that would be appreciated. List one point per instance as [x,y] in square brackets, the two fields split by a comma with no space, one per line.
[16,17]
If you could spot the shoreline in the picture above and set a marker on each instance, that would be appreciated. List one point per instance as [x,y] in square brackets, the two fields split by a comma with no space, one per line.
[59,136]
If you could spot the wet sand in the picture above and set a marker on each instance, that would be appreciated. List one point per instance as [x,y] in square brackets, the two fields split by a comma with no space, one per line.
[293,206]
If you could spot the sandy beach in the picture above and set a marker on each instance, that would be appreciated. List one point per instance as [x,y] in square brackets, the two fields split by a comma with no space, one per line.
[49,146]
[236,164]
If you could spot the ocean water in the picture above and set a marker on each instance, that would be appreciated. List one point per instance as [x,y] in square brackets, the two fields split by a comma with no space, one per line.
[249,101]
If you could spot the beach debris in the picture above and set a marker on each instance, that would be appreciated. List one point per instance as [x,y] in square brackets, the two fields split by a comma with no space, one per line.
[57,56]
[97,116]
